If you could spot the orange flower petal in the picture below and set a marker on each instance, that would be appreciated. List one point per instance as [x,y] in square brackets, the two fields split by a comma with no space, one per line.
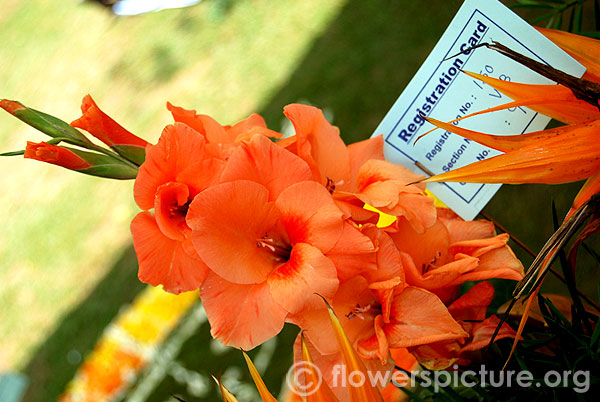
[227,220]
[360,152]
[178,148]
[460,230]
[310,215]
[264,162]
[482,333]
[419,317]
[319,144]
[555,101]
[55,155]
[203,124]
[504,143]
[169,196]
[162,260]
[241,316]
[353,253]
[103,127]
[426,249]
[307,272]
[473,304]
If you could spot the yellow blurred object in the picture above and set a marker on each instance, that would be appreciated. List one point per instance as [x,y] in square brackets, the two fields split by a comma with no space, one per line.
[127,345]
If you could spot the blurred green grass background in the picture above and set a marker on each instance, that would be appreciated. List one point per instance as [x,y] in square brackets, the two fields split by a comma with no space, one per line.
[66,264]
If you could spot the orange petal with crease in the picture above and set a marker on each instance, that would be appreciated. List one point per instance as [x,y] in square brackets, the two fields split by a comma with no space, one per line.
[555,101]
[568,157]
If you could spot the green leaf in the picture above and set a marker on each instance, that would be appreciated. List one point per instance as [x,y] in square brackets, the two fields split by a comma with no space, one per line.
[132,153]
[578,12]
[559,21]
[597,14]
[591,252]
[544,17]
[14,153]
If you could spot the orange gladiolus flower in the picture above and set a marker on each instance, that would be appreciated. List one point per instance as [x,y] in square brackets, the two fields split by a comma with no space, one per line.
[175,171]
[272,237]
[416,317]
[454,251]
[470,311]
[267,257]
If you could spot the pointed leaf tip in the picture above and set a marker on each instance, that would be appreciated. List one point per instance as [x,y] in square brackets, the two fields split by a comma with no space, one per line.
[313,379]
[365,392]
[227,395]
[260,385]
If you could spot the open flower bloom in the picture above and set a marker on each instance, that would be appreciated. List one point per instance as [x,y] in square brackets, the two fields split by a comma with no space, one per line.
[267,258]
[469,310]
[452,252]
[378,311]
[357,174]
[175,171]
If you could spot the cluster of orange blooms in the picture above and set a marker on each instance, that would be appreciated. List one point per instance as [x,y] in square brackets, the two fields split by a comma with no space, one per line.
[265,227]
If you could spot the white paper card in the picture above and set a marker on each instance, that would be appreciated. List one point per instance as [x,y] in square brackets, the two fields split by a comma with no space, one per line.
[441,91]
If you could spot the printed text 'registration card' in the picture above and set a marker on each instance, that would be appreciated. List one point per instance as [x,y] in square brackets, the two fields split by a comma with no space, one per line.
[441,91]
